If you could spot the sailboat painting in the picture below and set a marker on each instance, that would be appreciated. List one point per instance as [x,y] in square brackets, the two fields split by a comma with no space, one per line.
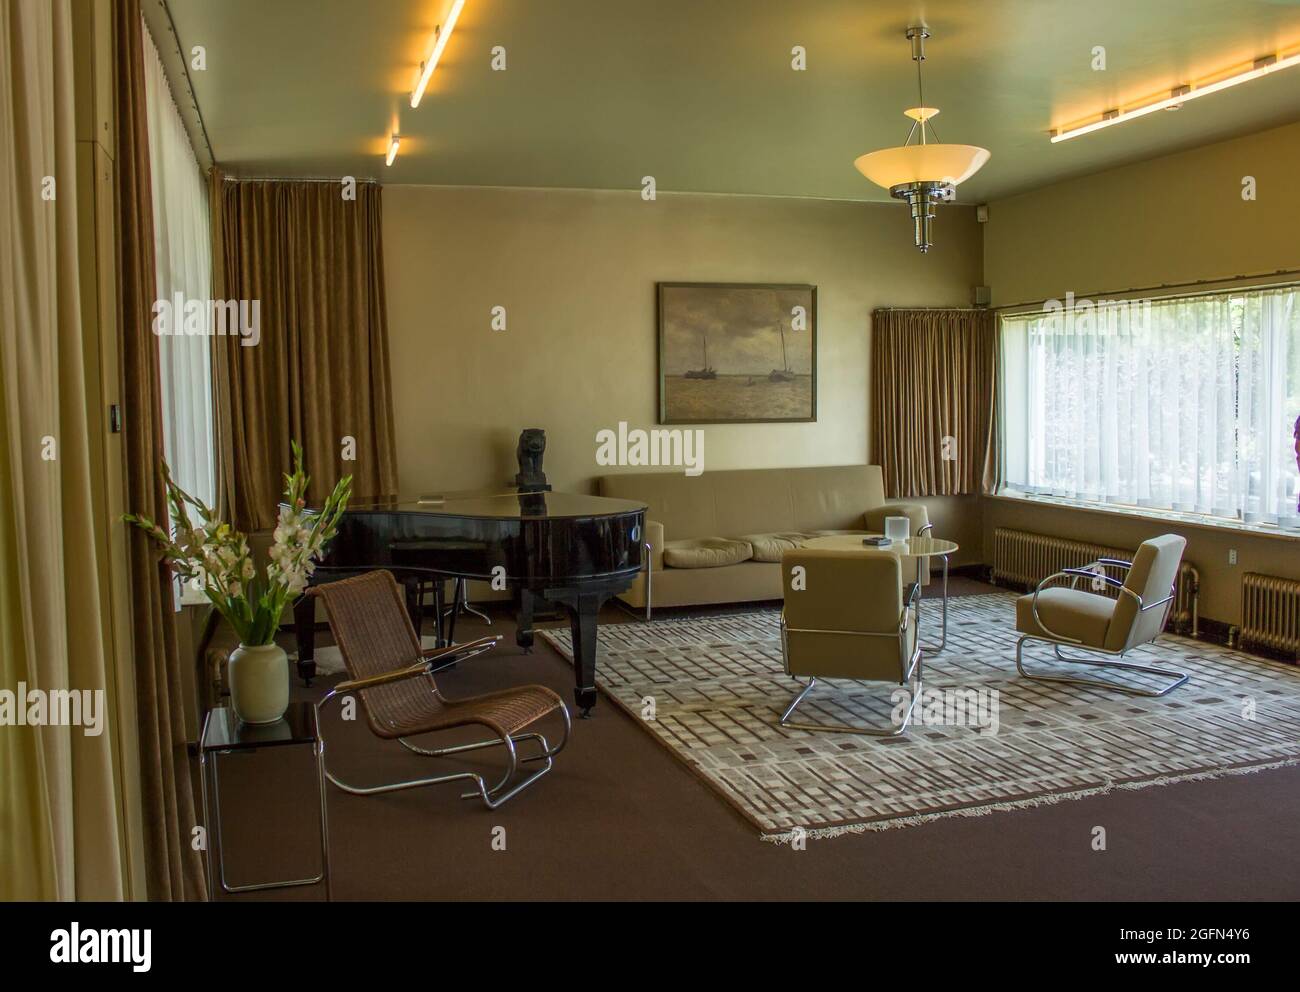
[737,353]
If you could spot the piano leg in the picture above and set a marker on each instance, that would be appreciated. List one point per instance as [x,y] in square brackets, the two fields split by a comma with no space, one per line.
[304,630]
[457,587]
[524,620]
[440,639]
[582,609]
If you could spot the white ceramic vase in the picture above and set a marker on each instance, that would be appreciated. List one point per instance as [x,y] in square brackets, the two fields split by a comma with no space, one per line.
[259,683]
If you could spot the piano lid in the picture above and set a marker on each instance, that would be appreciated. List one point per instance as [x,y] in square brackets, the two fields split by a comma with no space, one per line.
[506,505]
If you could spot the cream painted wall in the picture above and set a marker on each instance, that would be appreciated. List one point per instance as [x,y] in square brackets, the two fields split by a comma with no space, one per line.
[1174,219]
[576,271]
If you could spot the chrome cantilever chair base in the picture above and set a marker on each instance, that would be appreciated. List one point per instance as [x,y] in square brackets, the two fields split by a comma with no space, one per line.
[492,797]
[1178,677]
[913,669]
[844,728]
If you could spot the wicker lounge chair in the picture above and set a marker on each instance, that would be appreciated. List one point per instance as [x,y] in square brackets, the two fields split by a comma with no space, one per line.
[393,677]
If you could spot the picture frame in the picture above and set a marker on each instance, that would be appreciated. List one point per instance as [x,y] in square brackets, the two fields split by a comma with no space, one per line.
[737,353]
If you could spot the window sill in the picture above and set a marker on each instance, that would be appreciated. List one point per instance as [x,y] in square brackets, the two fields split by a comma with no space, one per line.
[1200,521]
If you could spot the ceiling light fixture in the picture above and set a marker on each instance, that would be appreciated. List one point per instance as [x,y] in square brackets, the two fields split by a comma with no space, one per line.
[392,149]
[1180,95]
[923,174]
[440,36]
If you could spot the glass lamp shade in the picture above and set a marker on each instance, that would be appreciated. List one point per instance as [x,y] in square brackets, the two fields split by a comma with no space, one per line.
[892,167]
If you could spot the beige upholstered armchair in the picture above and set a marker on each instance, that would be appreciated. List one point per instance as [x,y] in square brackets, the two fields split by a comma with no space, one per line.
[846,617]
[1068,616]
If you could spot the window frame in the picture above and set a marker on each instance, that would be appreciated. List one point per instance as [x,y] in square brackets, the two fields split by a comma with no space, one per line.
[1287,526]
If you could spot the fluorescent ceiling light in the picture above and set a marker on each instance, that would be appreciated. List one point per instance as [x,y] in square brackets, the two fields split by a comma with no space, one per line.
[1180,95]
[392,149]
[440,36]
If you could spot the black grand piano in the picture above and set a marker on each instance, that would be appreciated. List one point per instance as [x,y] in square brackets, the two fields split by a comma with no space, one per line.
[571,551]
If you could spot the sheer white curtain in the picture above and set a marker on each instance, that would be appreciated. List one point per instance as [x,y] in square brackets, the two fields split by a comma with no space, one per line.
[183,253]
[1184,404]
[1269,404]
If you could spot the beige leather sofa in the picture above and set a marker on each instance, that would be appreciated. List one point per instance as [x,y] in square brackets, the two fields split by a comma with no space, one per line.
[704,517]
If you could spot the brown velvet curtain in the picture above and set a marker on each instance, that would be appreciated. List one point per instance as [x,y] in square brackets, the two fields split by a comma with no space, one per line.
[934,380]
[173,869]
[313,259]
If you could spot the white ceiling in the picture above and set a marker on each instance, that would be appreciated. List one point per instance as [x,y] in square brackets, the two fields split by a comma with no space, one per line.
[700,95]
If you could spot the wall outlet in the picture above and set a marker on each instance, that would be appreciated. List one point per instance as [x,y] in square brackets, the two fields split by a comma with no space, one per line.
[1232,556]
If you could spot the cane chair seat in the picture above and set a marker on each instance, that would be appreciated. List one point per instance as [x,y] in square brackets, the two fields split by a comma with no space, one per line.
[405,709]
[368,616]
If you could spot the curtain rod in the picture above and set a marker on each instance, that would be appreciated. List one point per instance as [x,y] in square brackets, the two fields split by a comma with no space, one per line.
[189,85]
[1226,282]
[295,179]
[934,309]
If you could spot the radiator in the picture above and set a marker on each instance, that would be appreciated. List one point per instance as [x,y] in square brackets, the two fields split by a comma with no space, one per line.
[1270,613]
[1024,559]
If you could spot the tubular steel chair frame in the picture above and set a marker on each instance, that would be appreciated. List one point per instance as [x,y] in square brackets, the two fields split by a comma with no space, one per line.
[431,660]
[1095,572]
[908,666]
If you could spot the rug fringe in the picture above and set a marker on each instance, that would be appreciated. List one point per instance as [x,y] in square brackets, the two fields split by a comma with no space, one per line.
[826,833]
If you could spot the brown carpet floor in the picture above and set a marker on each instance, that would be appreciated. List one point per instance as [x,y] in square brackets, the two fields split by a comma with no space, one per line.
[620,818]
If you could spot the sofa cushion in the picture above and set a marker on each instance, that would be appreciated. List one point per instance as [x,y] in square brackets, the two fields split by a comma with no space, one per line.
[770,547]
[706,552]
[834,533]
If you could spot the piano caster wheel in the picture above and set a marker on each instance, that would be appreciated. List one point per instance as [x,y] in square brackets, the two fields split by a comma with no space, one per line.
[586,699]
[306,672]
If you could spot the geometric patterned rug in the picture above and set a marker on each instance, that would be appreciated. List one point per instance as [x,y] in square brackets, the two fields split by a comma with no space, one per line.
[711,689]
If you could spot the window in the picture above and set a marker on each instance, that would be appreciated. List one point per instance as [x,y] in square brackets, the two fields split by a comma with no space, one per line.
[1189,403]
[183,258]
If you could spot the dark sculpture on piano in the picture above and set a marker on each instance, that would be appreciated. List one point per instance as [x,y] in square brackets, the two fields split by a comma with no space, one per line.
[572,551]
[529,452]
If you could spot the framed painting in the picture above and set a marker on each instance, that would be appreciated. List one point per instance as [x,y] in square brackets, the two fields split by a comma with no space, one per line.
[737,353]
